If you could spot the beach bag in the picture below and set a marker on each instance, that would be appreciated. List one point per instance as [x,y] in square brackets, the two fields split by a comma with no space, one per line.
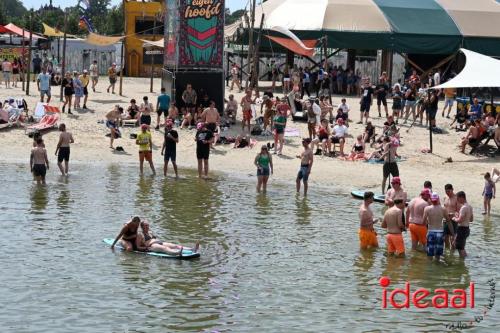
[256,130]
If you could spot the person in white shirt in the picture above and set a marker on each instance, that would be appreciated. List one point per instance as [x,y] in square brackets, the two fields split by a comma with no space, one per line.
[339,134]
[437,78]
[345,107]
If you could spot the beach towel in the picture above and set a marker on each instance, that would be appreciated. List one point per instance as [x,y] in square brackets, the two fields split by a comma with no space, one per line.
[292,132]
[47,122]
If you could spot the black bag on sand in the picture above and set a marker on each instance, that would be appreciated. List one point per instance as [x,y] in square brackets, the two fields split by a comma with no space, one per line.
[256,130]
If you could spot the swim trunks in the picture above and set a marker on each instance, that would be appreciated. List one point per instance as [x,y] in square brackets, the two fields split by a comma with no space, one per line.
[462,234]
[263,171]
[418,233]
[303,173]
[247,114]
[367,238]
[390,168]
[63,154]
[447,230]
[170,155]
[39,170]
[395,243]
[435,243]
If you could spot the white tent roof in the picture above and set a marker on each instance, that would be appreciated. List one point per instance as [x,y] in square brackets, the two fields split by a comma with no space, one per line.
[479,71]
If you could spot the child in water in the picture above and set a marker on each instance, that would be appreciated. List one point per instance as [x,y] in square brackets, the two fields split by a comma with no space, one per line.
[489,192]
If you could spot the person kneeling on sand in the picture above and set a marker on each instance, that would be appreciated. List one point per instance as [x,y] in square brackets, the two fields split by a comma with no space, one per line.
[367,234]
[393,221]
[153,244]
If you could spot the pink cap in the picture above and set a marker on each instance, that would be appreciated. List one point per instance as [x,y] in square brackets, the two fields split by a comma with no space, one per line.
[396,180]
[426,192]
[144,126]
[434,197]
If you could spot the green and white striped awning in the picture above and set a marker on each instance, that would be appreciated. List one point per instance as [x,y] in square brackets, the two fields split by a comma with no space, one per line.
[408,26]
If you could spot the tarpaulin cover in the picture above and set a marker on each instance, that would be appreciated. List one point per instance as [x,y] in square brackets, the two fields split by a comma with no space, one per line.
[101,40]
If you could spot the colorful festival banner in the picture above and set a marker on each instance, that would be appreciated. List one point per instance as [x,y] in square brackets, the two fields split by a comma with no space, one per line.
[10,53]
[201,39]
[170,36]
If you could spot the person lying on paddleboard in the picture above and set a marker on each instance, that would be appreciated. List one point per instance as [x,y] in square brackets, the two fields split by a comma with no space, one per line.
[149,240]
[128,236]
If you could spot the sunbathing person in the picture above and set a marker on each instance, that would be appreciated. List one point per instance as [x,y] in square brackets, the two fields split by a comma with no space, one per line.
[128,236]
[323,138]
[471,138]
[151,242]
[357,151]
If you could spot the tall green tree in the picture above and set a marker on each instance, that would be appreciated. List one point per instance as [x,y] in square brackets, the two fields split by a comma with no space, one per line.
[115,21]
[12,9]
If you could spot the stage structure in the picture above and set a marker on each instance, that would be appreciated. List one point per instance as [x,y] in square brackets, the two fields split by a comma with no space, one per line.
[194,43]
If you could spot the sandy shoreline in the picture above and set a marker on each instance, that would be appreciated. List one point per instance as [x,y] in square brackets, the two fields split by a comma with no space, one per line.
[91,146]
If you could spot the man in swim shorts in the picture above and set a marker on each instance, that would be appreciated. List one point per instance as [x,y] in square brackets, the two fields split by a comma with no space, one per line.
[306,163]
[452,208]
[415,219]
[145,142]
[63,150]
[393,221]
[367,234]
[433,218]
[39,163]
[396,192]
[465,216]
[169,148]
[390,165]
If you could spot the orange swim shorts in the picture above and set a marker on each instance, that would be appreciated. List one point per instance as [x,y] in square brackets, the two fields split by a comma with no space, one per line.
[247,114]
[395,243]
[367,238]
[418,233]
[145,155]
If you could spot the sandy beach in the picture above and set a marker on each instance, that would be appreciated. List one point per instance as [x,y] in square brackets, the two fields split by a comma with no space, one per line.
[91,146]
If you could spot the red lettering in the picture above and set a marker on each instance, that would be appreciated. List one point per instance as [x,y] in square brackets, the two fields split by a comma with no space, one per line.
[416,298]
[384,299]
[405,292]
[471,288]
[460,295]
[441,294]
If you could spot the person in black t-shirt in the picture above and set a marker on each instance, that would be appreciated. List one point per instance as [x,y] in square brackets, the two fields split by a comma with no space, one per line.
[169,147]
[366,100]
[204,139]
[382,89]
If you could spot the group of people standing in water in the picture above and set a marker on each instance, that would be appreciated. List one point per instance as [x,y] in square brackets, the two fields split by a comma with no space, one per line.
[432,226]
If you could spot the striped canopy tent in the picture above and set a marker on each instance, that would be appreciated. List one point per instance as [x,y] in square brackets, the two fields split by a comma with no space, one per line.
[405,26]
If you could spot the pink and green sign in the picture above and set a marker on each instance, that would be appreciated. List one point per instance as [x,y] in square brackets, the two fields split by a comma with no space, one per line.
[201,39]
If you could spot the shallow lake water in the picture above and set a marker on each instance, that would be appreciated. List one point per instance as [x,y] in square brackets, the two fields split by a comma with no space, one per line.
[270,263]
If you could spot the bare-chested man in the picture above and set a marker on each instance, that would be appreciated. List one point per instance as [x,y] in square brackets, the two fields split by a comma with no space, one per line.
[396,192]
[433,218]
[415,219]
[306,163]
[62,150]
[465,216]
[393,221]
[452,208]
[367,234]
[390,165]
[246,105]
[39,162]
[211,118]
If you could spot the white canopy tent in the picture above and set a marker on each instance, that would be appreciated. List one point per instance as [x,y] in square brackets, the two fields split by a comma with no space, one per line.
[480,71]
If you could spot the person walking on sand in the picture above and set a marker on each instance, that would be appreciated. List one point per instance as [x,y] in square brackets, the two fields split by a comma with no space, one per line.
[367,234]
[112,122]
[464,217]
[39,162]
[169,148]
[43,85]
[393,222]
[112,74]
[415,219]
[452,208]
[69,91]
[306,163]
[366,100]
[246,105]
[145,142]
[264,163]
[434,215]
[489,192]
[204,138]
[162,105]
[63,150]
[94,74]
[85,80]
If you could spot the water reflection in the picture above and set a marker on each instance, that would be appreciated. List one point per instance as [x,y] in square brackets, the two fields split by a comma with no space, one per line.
[303,210]
[39,198]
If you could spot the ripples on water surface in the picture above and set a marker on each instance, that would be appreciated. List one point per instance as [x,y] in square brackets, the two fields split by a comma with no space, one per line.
[275,263]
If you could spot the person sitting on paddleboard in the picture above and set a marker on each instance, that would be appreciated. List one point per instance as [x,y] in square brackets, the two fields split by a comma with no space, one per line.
[128,236]
[149,240]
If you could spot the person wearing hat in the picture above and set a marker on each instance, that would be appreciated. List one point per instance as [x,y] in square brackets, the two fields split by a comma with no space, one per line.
[339,134]
[204,138]
[306,163]
[396,192]
[85,80]
[415,219]
[112,74]
[433,218]
[169,148]
[264,163]
[145,142]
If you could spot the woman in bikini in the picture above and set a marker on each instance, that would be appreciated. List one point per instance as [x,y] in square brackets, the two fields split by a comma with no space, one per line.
[151,243]
[358,150]
[128,236]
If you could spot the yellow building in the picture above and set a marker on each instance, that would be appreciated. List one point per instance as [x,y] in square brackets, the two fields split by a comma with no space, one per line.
[143,20]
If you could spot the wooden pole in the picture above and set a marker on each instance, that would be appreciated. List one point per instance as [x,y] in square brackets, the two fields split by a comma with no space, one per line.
[23,64]
[29,53]
[152,59]
[63,66]
[250,41]
[253,72]
[120,88]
